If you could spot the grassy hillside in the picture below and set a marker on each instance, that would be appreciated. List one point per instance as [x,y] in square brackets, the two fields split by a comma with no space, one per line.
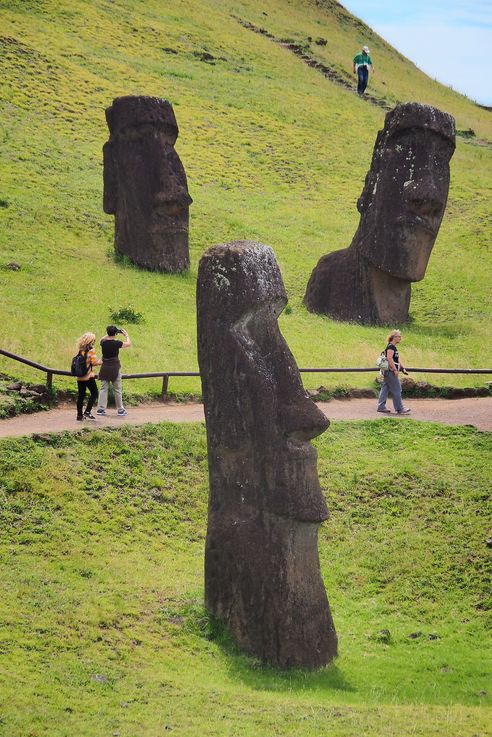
[273,152]
[102,627]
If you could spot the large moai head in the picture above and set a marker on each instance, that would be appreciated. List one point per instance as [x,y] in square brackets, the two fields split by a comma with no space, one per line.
[261,566]
[145,184]
[406,189]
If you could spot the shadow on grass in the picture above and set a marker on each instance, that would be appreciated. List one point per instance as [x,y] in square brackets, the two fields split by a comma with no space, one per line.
[251,671]
[124,262]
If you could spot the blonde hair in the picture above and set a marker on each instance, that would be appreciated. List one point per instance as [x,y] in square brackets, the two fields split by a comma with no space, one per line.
[392,335]
[85,340]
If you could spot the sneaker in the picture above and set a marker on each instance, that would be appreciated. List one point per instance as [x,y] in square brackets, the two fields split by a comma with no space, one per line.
[80,418]
[122,413]
[89,416]
[385,410]
[100,411]
[404,412]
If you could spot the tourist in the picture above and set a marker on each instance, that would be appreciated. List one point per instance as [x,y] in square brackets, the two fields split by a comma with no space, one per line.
[391,384]
[111,369]
[86,349]
[362,62]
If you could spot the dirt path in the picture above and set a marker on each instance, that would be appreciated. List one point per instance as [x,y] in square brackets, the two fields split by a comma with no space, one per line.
[474,411]
[342,78]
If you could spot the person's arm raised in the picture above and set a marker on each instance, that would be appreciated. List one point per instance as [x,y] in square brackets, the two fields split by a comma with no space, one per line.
[127,342]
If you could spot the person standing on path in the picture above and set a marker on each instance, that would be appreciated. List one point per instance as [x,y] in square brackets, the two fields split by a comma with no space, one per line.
[362,62]
[87,382]
[111,369]
[391,384]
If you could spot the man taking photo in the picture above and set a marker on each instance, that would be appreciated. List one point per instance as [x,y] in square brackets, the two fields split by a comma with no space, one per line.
[111,369]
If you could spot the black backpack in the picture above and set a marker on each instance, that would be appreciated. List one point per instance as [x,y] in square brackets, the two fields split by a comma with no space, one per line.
[79,365]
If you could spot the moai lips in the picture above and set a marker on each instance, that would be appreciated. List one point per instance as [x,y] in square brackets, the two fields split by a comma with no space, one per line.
[145,184]
[401,206]
[262,574]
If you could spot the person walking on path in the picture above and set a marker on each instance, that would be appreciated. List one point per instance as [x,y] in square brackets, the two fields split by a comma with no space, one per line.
[111,369]
[362,62]
[391,384]
[87,382]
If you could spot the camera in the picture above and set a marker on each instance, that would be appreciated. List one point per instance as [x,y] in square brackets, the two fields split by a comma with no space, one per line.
[119,330]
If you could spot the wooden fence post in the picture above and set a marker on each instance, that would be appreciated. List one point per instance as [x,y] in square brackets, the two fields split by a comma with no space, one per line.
[165,384]
[49,381]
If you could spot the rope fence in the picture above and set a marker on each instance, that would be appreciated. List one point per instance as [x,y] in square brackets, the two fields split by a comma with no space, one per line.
[165,375]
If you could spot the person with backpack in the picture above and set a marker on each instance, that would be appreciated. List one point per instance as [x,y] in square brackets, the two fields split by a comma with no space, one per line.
[111,369]
[82,365]
[391,384]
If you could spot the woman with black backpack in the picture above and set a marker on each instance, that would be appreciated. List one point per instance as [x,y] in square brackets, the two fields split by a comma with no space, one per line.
[86,358]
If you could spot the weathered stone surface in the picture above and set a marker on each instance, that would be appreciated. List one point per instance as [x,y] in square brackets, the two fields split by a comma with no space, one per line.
[361,394]
[262,575]
[408,384]
[402,206]
[145,185]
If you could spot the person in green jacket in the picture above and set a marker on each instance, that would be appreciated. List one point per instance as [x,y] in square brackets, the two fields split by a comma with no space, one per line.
[362,62]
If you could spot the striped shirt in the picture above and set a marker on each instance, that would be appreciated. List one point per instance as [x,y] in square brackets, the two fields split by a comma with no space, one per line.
[91,360]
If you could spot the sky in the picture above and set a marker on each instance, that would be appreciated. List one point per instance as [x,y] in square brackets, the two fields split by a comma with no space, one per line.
[450,40]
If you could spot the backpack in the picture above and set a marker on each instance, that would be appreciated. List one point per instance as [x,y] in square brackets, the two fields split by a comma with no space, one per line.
[79,365]
[382,361]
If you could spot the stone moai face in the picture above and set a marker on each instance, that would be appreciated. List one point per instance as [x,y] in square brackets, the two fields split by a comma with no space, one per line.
[406,189]
[262,575]
[145,184]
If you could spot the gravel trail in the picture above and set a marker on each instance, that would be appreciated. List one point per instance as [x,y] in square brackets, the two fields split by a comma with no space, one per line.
[476,411]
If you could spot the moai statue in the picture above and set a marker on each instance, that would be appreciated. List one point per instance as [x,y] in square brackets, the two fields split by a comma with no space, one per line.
[401,206]
[262,573]
[145,184]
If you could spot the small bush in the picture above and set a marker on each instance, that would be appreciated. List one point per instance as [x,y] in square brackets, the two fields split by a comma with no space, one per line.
[127,315]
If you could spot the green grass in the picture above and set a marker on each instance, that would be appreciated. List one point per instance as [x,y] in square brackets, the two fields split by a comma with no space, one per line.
[102,626]
[273,152]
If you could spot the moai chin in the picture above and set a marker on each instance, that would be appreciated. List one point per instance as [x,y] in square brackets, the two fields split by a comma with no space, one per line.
[145,185]
[262,573]
[401,206]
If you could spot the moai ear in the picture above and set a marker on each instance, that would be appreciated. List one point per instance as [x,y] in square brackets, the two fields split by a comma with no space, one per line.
[110,195]
[372,176]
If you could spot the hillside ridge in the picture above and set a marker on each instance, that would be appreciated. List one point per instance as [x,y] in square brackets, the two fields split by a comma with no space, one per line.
[272,152]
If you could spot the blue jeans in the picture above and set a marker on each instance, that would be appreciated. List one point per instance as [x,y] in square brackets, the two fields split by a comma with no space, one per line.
[391,386]
[362,77]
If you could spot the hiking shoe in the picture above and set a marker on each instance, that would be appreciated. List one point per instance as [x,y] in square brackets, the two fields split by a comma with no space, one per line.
[404,412]
[385,410]
[80,418]
[89,416]
[122,413]
[100,411]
